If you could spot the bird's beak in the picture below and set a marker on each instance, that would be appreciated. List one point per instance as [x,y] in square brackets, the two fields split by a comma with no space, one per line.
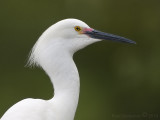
[106,36]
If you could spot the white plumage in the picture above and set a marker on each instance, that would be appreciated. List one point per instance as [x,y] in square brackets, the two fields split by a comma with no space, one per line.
[53,52]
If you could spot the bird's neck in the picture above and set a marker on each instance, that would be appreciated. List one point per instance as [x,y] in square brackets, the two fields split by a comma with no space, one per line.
[65,78]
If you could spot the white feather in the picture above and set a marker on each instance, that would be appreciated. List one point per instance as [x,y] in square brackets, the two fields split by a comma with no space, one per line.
[53,52]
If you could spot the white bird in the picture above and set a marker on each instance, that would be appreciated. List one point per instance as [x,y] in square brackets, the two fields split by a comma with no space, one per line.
[53,52]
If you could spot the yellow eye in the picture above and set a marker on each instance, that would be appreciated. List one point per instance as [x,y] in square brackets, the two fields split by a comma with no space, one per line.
[77,28]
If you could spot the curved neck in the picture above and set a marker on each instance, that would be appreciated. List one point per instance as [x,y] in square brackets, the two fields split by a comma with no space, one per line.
[65,78]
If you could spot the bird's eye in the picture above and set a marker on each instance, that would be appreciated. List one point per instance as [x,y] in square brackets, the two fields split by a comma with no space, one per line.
[77,28]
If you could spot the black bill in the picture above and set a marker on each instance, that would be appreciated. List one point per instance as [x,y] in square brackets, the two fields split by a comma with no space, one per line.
[107,36]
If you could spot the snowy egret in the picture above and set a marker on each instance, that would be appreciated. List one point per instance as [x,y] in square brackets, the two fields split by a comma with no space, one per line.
[53,52]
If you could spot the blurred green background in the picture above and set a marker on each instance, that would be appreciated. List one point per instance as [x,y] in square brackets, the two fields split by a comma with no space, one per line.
[118,81]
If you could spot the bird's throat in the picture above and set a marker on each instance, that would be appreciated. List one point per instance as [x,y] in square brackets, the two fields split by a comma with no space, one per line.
[65,78]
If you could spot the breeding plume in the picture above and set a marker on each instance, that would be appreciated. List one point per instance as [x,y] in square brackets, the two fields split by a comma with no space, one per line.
[54,53]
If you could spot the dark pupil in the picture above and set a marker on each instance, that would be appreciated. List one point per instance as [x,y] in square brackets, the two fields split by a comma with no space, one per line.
[77,28]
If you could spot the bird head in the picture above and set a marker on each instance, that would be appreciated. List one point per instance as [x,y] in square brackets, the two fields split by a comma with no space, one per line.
[75,34]
[69,35]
